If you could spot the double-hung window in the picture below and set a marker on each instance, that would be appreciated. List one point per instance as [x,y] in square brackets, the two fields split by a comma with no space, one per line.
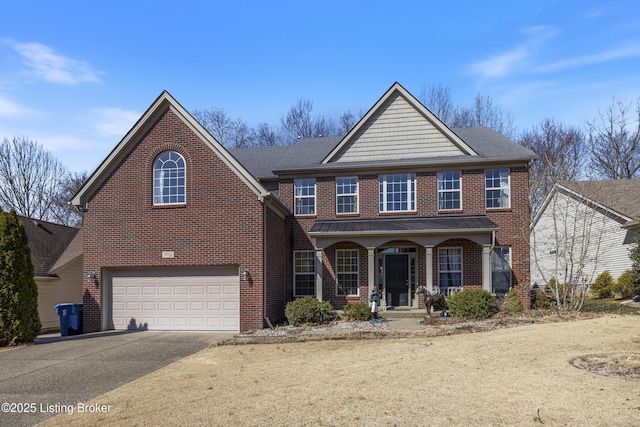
[347,195]
[497,188]
[169,185]
[347,271]
[449,191]
[449,268]
[397,192]
[304,273]
[305,196]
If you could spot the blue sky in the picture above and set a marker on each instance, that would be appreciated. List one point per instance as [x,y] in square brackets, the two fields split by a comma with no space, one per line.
[76,75]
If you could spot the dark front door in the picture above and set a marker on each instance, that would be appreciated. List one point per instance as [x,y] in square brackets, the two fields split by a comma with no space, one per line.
[397,283]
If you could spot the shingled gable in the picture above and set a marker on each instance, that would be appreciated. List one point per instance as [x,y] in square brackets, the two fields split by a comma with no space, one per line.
[377,136]
[160,105]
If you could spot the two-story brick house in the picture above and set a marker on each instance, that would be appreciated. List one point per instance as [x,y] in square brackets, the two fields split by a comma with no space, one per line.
[183,234]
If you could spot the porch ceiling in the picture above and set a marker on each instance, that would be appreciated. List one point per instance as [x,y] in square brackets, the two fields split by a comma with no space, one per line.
[422,230]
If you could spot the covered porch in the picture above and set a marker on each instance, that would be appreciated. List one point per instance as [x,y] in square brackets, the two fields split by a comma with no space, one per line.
[403,253]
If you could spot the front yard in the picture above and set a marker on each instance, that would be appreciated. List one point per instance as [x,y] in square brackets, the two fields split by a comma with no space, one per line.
[521,376]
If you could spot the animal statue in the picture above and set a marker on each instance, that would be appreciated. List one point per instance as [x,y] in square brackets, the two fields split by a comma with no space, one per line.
[436,301]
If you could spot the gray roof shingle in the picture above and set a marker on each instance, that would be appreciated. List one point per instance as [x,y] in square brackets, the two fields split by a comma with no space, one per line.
[619,195]
[47,241]
[308,153]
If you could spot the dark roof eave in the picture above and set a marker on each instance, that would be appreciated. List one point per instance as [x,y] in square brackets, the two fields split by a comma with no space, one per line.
[449,162]
[402,232]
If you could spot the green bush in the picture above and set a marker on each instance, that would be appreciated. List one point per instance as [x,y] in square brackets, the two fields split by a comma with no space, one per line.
[512,303]
[19,318]
[356,311]
[603,286]
[625,285]
[542,300]
[310,311]
[472,304]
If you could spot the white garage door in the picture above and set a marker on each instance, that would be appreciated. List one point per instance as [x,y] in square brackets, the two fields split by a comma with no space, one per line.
[176,300]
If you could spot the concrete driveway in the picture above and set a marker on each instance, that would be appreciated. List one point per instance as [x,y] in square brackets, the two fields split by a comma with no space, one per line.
[59,374]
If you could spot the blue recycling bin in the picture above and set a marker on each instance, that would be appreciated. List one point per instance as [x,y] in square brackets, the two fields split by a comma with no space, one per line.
[70,318]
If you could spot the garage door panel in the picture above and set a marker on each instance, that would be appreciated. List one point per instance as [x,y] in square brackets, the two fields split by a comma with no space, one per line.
[176,300]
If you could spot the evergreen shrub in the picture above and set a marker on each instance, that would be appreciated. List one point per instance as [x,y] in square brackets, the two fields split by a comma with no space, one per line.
[356,311]
[472,304]
[19,318]
[309,311]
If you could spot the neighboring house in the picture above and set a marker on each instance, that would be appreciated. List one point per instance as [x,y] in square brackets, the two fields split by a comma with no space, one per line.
[584,228]
[183,234]
[56,254]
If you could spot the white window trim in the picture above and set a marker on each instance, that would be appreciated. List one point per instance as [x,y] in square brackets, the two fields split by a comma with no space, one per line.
[492,188]
[356,195]
[357,272]
[455,271]
[297,197]
[448,191]
[153,195]
[411,200]
[295,273]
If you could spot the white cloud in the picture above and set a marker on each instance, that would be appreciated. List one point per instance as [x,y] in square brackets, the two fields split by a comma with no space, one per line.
[506,63]
[8,108]
[48,65]
[113,121]
[610,55]
[501,65]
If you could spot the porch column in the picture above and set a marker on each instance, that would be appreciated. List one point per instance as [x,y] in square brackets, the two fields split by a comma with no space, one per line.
[429,267]
[319,274]
[486,267]
[371,268]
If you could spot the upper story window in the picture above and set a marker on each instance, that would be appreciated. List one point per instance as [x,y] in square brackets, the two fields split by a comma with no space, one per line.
[169,186]
[305,196]
[449,191]
[347,195]
[497,188]
[397,192]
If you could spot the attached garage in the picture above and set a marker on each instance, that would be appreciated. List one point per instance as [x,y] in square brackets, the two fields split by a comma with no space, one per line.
[176,299]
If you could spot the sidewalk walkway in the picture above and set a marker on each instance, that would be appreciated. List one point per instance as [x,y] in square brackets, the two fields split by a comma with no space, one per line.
[404,324]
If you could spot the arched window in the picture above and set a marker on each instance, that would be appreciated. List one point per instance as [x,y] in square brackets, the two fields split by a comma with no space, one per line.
[169,179]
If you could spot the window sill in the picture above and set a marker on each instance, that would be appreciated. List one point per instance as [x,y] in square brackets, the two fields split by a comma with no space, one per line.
[398,213]
[498,209]
[176,206]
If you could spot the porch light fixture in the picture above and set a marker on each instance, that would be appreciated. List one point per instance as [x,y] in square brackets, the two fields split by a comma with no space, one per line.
[91,277]
[246,275]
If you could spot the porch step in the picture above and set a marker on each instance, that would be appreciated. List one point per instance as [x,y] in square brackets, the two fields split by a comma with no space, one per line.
[400,313]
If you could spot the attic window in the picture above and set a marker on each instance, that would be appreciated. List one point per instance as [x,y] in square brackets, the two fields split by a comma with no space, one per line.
[169,179]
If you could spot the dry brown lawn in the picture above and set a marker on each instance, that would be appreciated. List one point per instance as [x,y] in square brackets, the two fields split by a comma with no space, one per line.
[522,376]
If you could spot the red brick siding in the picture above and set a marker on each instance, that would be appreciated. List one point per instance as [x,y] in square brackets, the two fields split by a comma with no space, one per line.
[220,224]
[513,223]
[277,293]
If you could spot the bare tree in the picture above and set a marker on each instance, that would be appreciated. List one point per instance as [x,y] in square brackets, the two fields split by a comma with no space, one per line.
[216,122]
[562,152]
[240,134]
[438,100]
[568,242]
[29,178]
[297,122]
[615,141]
[483,112]
[63,212]
[265,135]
